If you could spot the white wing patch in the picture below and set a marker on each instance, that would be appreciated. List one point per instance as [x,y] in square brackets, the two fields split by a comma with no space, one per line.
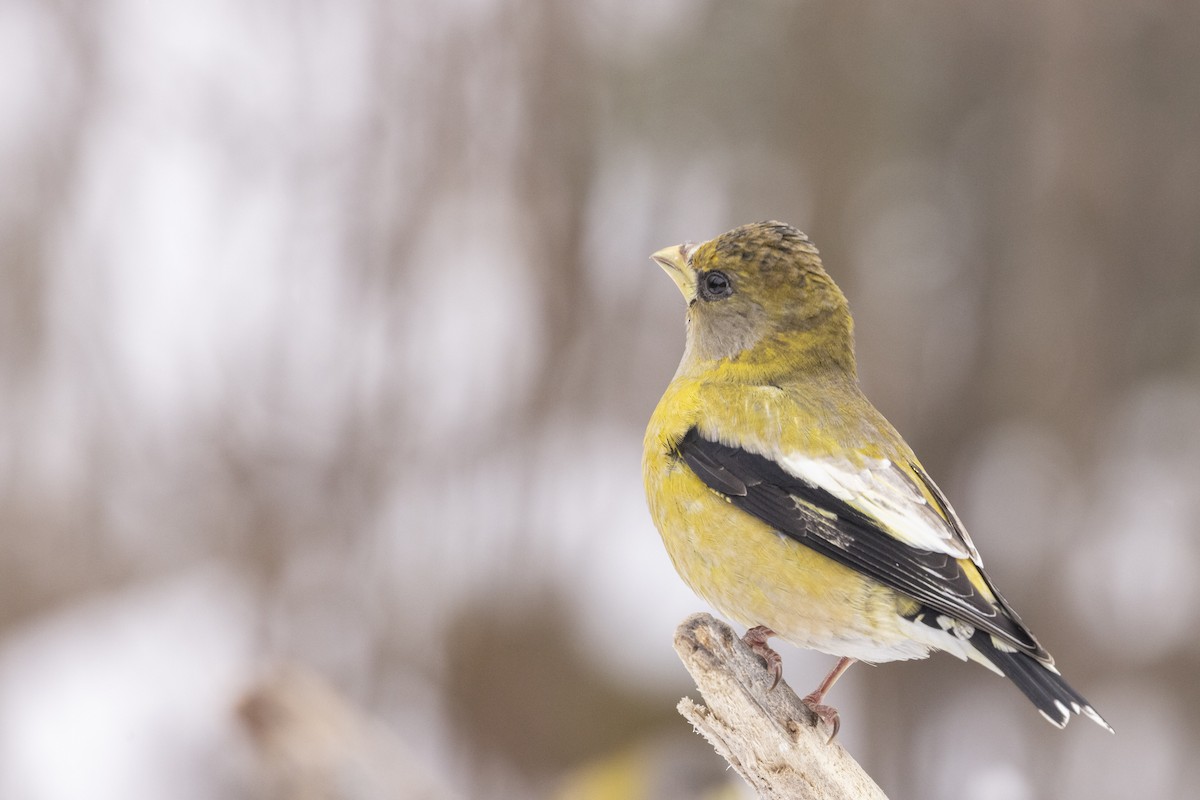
[886,494]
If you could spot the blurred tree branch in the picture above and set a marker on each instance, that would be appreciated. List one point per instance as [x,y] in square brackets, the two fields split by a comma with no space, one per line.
[314,744]
[767,735]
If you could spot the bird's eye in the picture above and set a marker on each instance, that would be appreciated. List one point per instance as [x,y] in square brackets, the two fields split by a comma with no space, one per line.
[715,285]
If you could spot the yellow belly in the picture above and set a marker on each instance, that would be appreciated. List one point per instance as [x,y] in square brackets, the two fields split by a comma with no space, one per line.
[757,576]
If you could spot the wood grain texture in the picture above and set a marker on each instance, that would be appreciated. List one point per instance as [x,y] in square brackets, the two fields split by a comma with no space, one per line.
[767,735]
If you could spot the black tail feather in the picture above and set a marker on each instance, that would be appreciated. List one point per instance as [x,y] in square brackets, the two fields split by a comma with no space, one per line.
[1052,695]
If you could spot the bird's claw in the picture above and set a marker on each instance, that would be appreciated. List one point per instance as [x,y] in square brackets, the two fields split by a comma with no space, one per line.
[756,640]
[827,714]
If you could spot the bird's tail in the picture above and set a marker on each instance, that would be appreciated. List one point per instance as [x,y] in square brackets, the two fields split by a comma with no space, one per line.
[1038,680]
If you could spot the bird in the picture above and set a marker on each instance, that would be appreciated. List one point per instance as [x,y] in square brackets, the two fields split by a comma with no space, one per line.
[789,503]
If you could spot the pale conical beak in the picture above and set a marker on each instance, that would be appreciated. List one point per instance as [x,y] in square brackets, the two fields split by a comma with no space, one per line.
[674,262]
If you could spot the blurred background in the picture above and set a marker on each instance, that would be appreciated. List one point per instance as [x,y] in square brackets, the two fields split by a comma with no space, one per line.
[328,335]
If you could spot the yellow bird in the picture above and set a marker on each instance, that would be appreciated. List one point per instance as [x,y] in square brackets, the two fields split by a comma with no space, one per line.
[791,505]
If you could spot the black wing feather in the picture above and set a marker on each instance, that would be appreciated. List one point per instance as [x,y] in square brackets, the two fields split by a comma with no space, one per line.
[817,519]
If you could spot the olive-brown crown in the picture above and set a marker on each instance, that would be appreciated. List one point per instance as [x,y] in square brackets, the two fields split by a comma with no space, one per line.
[763,298]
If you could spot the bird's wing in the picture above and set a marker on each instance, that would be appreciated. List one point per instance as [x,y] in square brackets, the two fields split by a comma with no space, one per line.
[875,522]
[901,498]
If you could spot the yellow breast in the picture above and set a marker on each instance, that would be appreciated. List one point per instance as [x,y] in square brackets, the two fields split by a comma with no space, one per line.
[747,570]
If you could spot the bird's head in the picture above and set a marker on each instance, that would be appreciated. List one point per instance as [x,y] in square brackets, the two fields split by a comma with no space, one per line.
[759,298]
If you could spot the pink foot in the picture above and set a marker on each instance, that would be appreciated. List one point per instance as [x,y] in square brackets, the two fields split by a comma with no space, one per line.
[756,639]
[827,714]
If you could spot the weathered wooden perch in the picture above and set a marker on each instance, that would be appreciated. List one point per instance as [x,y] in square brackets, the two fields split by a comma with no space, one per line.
[772,739]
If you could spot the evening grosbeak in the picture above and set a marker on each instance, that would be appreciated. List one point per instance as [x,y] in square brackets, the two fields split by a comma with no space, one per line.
[791,505]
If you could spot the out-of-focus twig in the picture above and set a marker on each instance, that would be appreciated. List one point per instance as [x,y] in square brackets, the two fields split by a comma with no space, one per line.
[766,734]
[314,745]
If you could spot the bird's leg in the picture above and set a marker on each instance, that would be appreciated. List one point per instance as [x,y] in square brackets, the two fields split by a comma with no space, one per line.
[756,640]
[828,714]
